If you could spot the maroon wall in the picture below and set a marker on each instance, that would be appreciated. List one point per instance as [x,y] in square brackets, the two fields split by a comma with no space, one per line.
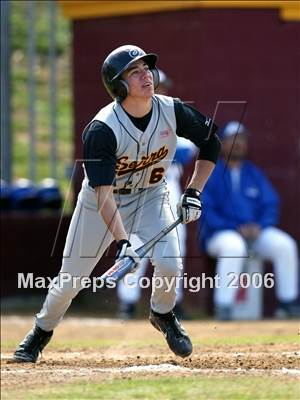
[30,243]
[212,56]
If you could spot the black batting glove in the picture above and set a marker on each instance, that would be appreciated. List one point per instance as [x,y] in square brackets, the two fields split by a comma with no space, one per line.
[189,206]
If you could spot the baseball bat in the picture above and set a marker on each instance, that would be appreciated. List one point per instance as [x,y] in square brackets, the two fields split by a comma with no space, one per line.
[127,264]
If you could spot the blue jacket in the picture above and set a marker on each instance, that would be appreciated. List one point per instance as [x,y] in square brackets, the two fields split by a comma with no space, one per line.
[223,208]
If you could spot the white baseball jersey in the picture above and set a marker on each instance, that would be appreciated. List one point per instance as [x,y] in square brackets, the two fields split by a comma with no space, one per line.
[142,157]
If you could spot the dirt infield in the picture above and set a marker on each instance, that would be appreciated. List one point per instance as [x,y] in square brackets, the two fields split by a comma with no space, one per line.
[94,349]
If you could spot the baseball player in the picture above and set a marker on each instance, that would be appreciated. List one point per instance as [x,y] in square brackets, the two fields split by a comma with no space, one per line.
[129,290]
[128,147]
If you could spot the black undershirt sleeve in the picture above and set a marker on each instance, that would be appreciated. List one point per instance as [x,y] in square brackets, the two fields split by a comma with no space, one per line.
[199,129]
[99,147]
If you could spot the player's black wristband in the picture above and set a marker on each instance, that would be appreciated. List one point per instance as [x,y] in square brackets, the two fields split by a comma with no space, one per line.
[192,192]
[122,244]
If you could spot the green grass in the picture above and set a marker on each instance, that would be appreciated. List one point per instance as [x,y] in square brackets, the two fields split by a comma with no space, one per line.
[241,388]
[20,99]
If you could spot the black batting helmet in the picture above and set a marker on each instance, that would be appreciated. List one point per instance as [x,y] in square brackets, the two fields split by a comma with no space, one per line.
[118,61]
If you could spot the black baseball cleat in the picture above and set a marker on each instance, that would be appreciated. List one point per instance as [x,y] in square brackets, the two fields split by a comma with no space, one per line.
[175,335]
[32,345]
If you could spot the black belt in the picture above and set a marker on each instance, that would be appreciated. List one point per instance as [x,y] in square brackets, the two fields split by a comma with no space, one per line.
[126,191]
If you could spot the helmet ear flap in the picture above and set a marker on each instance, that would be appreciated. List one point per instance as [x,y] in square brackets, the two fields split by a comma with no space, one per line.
[120,89]
[155,74]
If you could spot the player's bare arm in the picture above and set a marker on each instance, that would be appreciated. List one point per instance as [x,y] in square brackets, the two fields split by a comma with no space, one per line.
[202,171]
[108,210]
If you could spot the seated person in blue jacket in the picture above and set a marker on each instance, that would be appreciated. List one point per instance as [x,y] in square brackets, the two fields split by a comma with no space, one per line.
[241,209]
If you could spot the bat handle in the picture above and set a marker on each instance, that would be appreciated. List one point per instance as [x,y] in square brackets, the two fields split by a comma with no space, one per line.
[118,270]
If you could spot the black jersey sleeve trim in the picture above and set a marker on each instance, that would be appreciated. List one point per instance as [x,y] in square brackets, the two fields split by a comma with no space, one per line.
[199,129]
[100,144]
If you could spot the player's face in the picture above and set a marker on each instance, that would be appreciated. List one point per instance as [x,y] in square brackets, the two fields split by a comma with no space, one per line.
[139,79]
